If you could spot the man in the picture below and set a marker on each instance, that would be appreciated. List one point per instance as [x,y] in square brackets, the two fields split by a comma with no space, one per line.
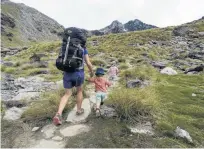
[70,80]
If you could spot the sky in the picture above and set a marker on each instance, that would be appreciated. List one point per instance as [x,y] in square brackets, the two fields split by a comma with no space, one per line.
[96,14]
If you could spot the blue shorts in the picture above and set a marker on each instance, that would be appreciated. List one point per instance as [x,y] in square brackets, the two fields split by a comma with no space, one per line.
[74,79]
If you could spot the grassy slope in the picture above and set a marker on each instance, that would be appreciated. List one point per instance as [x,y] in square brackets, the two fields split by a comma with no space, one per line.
[171,104]
[176,106]
[180,108]
[168,100]
[23,66]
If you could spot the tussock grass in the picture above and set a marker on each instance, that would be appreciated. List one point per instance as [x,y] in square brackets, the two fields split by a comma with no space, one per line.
[11,70]
[27,66]
[142,72]
[45,108]
[121,60]
[98,62]
[132,104]
[45,47]
[168,100]
[3,68]
[123,66]
[53,69]
[53,78]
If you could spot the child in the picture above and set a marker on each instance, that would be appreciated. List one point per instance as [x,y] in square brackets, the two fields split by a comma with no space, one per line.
[101,85]
[113,72]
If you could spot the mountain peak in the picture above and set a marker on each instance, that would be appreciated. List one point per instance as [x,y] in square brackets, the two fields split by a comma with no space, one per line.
[132,25]
[136,20]
[114,27]
[116,22]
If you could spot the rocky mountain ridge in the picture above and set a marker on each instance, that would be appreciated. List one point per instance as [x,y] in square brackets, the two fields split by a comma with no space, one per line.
[22,25]
[132,25]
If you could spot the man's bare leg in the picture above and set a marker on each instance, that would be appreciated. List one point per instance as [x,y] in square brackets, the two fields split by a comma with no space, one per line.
[64,100]
[57,120]
[79,98]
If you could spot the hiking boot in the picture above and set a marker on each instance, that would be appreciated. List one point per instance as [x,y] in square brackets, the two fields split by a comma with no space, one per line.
[57,120]
[80,112]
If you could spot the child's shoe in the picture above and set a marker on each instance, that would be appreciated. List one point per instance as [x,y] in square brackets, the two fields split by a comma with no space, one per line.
[98,112]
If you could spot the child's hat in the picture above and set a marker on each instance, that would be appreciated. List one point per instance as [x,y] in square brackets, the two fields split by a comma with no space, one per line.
[99,71]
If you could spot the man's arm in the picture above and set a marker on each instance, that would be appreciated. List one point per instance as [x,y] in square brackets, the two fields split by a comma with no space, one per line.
[89,65]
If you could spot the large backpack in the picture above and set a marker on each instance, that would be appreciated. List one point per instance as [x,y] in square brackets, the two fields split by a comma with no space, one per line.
[70,58]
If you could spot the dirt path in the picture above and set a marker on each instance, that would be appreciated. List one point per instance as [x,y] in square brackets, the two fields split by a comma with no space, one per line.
[51,136]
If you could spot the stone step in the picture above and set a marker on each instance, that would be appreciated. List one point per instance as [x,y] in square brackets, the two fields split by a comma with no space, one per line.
[73,118]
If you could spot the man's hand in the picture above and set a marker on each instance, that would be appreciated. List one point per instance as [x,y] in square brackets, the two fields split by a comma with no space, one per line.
[91,74]
[88,63]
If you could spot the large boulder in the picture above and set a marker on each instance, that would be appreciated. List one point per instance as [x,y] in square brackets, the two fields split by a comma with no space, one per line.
[168,71]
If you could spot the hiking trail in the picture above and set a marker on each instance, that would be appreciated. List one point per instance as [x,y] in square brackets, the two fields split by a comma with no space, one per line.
[55,136]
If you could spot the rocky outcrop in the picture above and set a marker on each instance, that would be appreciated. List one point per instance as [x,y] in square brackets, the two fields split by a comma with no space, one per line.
[7,21]
[11,51]
[196,69]
[24,88]
[182,31]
